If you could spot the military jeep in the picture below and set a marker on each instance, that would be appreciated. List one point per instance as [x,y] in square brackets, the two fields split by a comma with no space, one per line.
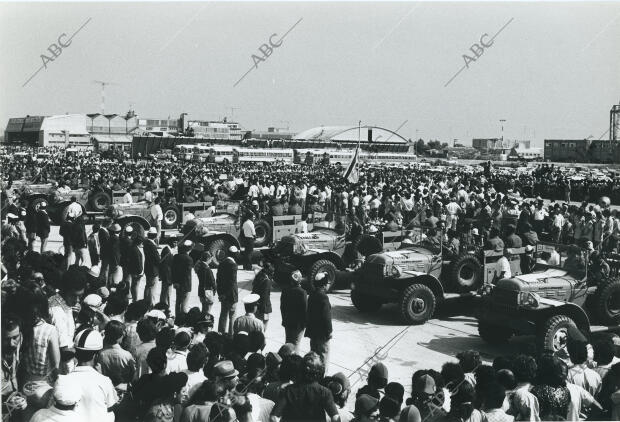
[416,276]
[556,295]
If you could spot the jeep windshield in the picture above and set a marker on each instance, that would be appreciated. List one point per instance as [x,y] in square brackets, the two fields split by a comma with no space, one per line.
[571,258]
[415,238]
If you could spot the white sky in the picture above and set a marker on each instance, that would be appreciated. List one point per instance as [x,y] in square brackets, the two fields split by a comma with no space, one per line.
[553,72]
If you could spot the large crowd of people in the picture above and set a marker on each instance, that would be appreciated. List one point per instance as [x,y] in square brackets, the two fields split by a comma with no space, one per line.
[90,334]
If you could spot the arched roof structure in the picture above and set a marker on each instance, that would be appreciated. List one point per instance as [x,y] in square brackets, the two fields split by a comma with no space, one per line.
[367,134]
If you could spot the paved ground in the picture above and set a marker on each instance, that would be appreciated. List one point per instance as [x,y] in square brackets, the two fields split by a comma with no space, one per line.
[357,337]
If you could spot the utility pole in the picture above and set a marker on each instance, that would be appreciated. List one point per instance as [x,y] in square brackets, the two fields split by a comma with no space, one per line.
[502,121]
[103,84]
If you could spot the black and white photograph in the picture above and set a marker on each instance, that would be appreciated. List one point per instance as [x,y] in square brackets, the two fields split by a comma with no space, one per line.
[310,211]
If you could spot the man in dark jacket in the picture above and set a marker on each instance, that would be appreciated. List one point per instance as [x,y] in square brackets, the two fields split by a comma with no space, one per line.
[66,231]
[126,242]
[152,290]
[319,319]
[226,281]
[43,225]
[79,241]
[181,271]
[165,271]
[104,249]
[115,274]
[262,287]
[135,264]
[206,282]
[293,305]
[94,246]
[529,236]
[31,225]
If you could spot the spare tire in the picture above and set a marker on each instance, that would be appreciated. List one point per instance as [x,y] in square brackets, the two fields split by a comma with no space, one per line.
[607,303]
[218,249]
[323,266]
[171,217]
[138,228]
[465,274]
[263,233]
[100,201]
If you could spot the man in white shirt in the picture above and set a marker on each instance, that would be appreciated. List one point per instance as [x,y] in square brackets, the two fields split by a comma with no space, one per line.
[127,198]
[98,393]
[157,216]
[503,265]
[248,233]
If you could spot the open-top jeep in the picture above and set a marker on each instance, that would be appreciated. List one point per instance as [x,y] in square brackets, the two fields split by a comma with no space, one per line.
[549,300]
[418,275]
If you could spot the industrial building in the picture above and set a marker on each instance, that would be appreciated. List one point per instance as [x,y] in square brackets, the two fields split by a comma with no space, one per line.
[65,130]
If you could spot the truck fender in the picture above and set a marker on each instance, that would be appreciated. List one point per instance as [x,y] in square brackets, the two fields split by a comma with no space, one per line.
[134,218]
[574,312]
[432,283]
[333,257]
[227,237]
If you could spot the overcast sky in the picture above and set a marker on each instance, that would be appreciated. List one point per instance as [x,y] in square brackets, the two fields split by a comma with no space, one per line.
[552,72]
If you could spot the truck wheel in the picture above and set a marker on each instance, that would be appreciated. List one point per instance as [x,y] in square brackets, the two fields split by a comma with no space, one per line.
[138,230]
[364,302]
[36,201]
[323,266]
[100,201]
[218,249]
[171,217]
[554,333]
[493,334]
[417,304]
[607,303]
[263,233]
[465,273]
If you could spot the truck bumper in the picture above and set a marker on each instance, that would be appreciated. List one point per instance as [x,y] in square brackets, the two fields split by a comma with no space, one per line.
[511,319]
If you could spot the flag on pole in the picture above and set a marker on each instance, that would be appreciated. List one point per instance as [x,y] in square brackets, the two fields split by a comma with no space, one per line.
[352,173]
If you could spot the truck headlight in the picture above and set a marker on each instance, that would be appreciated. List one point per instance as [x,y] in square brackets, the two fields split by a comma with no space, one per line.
[529,299]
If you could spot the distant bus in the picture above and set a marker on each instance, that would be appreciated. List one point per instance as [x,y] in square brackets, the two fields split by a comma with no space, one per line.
[183,152]
[220,154]
[245,155]
[388,158]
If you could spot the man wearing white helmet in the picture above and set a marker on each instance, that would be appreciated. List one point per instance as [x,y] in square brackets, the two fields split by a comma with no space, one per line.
[98,393]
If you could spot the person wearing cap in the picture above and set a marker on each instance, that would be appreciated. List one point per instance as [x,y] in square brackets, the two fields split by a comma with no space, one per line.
[152,290]
[226,376]
[43,225]
[98,393]
[66,398]
[574,263]
[206,281]
[261,285]
[319,319]
[181,273]
[79,240]
[126,244]
[366,408]
[293,308]
[135,264]
[249,322]
[227,290]
[113,253]
[377,380]
[598,269]
[529,236]
[306,399]
[248,235]
[502,267]
[340,387]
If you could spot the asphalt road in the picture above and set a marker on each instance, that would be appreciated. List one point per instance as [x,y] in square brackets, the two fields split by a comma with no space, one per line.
[358,337]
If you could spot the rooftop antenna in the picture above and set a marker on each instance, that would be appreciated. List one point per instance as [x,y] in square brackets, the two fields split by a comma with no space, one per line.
[103,84]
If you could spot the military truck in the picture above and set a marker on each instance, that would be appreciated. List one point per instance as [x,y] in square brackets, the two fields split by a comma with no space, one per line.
[558,294]
[418,275]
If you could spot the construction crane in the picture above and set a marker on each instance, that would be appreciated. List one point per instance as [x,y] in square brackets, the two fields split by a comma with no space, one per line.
[103,85]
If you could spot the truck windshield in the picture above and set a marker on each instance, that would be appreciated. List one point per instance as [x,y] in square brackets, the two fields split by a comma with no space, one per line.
[568,257]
